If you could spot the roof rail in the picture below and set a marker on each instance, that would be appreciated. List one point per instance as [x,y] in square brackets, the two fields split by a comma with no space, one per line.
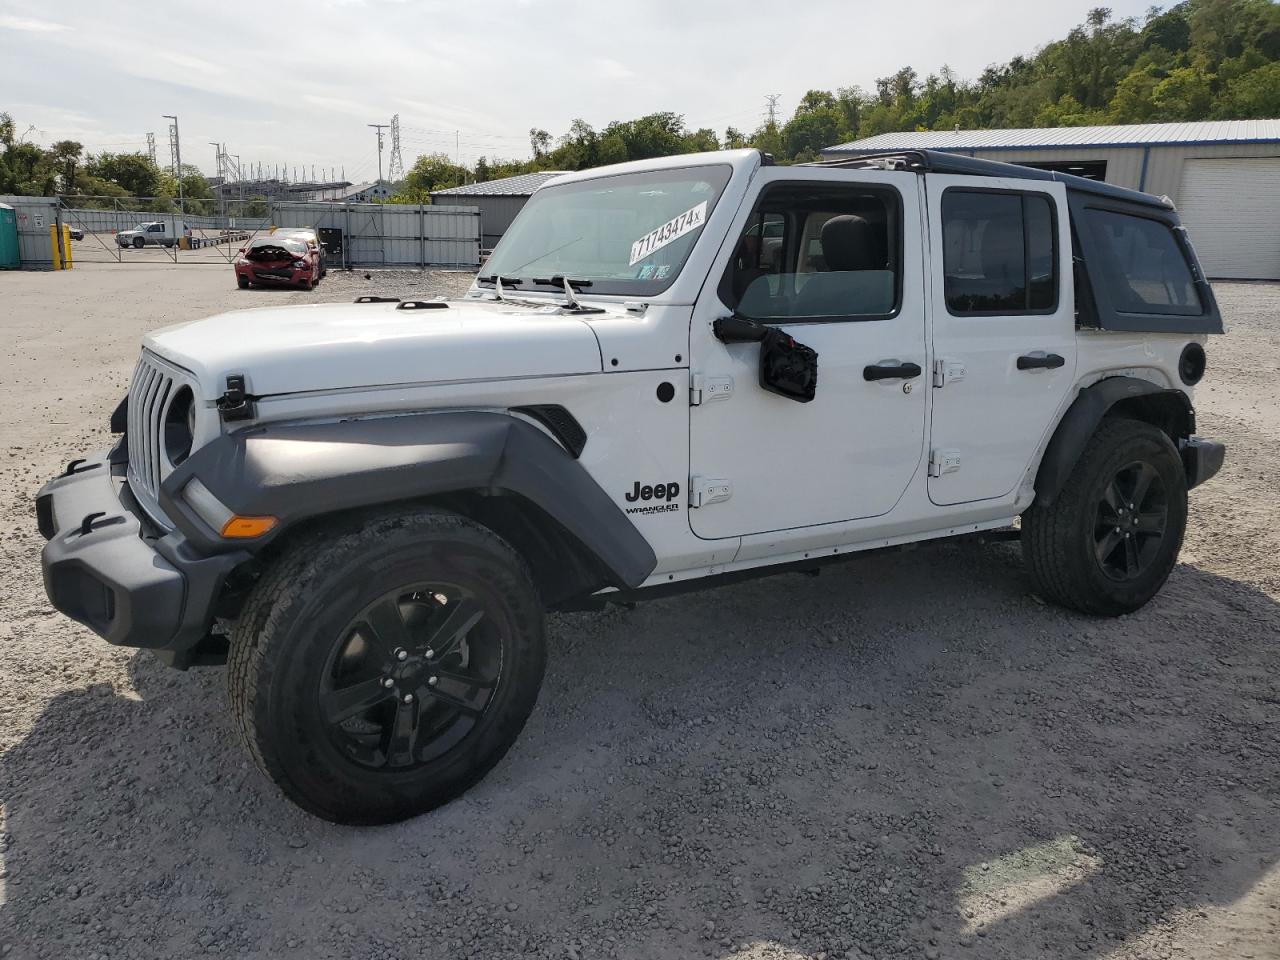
[941,161]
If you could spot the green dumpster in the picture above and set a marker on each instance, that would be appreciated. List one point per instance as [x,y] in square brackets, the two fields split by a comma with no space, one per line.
[9,259]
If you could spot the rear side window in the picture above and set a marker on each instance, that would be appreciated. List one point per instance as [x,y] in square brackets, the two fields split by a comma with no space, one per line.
[1142,264]
[999,252]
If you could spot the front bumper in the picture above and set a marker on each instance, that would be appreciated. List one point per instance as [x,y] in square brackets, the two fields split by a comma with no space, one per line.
[107,567]
[1202,459]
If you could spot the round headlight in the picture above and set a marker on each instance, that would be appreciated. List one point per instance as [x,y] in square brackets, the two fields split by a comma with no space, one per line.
[179,426]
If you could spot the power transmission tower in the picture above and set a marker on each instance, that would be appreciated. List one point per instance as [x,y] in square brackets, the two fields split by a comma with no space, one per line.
[379,127]
[773,99]
[175,151]
[151,147]
[395,168]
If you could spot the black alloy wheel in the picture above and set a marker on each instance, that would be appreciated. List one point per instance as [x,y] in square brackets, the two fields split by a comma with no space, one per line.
[410,676]
[1131,521]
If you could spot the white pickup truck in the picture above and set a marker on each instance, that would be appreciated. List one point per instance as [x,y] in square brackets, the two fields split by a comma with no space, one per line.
[164,233]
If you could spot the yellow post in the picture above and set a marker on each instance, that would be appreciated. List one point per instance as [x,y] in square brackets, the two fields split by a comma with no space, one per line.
[55,243]
[67,260]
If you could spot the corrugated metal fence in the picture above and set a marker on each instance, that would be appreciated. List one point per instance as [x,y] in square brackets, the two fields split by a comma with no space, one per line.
[392,235]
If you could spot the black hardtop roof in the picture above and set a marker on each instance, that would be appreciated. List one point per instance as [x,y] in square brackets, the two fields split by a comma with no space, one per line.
[940,161]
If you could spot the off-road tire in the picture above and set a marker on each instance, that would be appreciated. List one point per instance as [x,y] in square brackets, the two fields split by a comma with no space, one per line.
[298,612]
[1059,541]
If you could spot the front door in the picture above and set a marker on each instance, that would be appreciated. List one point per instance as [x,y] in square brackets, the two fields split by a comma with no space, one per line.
[1004,335]
[833,258]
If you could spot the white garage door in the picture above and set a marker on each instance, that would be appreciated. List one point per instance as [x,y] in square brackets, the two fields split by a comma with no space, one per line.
[1231,208]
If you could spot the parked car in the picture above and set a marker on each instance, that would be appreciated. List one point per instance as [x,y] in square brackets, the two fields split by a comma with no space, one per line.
[75,233]
[312,239]
[277,262]
[365,509]
[164,233]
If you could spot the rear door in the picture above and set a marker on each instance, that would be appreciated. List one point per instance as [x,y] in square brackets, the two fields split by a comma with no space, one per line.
[1003,330]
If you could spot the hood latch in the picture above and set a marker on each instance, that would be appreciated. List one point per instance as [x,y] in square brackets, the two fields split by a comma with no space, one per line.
[235,403]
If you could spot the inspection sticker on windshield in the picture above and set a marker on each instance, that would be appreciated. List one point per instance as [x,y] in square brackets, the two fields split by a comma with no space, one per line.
[669,232]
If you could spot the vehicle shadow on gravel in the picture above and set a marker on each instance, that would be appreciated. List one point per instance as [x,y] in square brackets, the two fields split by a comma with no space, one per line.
[906,756]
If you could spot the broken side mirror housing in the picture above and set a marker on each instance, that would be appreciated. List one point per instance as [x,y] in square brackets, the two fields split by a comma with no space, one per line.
[787,367]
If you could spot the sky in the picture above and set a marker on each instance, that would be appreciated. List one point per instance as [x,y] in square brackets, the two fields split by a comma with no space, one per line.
[294,82]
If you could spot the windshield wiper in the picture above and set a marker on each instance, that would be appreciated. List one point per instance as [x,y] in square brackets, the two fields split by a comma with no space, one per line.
[561,281]
[506,281]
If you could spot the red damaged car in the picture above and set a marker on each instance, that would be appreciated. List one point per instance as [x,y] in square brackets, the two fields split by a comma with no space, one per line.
[277,262]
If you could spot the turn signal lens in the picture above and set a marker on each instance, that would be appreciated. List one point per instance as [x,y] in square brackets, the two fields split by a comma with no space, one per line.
[246,528]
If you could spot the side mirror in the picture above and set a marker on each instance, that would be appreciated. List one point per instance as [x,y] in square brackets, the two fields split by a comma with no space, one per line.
[787,367]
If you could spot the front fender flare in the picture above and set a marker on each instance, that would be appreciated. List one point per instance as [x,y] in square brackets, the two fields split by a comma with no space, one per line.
[296,472]
[1081,420]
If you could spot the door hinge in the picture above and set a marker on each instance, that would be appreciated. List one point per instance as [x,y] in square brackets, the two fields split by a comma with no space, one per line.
[705,389]
[703,491]
[943,461]
[947,371]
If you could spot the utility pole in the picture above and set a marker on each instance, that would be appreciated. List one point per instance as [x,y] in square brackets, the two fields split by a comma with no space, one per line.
[175,150]
[379,127]
[395,168]
[239,175]
[773,99]
[151,147]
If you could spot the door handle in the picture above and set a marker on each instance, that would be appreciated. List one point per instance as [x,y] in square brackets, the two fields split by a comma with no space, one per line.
[891,371]
[1050,361]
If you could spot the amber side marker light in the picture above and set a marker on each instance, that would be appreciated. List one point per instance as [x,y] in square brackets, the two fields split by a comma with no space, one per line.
[246,528]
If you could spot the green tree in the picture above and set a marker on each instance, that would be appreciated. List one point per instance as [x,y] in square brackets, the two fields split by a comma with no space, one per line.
[133,171]
[431,171]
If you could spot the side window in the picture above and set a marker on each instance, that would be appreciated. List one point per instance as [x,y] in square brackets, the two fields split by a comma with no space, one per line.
[1000,252]
[156,228]
[818,251]
[1143,265]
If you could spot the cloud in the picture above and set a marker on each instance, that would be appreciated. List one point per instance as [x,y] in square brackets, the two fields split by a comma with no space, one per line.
[188,62]
[611,69]
[30,24]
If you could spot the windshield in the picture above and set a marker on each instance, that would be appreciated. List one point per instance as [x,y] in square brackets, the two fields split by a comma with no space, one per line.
[626,234]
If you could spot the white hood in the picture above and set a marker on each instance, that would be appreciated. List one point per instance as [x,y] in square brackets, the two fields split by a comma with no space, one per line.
[335,346]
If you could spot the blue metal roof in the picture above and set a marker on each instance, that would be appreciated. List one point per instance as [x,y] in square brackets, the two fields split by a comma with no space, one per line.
[1037,138]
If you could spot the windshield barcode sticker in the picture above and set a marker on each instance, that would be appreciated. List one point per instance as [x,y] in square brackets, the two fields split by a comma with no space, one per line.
[672,230]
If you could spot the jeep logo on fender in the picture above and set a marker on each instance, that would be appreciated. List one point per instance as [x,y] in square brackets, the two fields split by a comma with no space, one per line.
[659,491]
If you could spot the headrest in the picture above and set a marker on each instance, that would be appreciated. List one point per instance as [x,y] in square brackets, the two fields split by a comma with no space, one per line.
[849,243]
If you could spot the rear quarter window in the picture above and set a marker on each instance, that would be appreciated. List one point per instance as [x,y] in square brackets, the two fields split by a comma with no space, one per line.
[1142,265]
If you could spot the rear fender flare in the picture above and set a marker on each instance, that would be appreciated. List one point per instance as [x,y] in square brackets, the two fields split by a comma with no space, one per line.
[1082,418]
[299,472]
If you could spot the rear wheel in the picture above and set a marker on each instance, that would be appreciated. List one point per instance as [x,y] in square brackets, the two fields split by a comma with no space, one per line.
[380,670]
[1109,541]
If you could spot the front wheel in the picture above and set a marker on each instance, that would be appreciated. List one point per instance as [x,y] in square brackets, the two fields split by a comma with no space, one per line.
[138,243]
[1109,541]
[381,668]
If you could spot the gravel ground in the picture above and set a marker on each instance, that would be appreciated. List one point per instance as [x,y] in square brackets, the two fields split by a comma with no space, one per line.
[909,756]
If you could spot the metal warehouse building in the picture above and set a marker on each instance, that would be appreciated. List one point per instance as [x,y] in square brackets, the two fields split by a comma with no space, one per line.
[499,200]
[1224,175]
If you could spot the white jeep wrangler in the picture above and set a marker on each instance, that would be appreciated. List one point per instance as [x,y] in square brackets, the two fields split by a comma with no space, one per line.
[672,373]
